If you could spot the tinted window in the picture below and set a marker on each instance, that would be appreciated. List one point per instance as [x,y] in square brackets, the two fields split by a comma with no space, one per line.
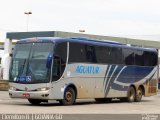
[95,54]
[59,62]
[90,54]
[103,54]
[128,56]
[139,59]
[61,51]
[110,55]
[150,59]
[154,59]
[79,52]
[116,55]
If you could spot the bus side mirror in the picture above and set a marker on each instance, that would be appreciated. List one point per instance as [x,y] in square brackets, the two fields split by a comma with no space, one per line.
[49,61]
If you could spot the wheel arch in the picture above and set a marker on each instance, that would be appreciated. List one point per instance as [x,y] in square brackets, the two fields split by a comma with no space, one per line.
[143,89]
[132,85]
[72,86]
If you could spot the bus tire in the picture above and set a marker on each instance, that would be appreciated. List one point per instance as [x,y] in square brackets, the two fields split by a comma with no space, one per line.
[69,97]
[131,94]
[34,101]
[139,95]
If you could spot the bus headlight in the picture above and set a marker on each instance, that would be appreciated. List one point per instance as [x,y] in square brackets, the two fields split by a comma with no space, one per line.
[43,89]
[12,88]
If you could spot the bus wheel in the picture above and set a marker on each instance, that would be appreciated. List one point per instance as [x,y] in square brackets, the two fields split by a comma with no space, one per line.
[131,95]
[34,101]
[69,97]
[139,95]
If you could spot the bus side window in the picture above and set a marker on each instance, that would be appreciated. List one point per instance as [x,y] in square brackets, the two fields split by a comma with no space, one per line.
[59,61]
[128,56]
[55,71]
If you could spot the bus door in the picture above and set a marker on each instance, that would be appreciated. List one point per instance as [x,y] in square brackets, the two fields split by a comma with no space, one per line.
[56,70]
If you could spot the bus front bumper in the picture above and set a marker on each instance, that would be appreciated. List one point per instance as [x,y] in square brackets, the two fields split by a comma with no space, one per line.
[29,94]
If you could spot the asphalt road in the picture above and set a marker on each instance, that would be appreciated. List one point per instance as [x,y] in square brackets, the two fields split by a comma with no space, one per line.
[149,105]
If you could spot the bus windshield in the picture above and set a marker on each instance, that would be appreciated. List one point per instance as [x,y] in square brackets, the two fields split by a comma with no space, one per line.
[29,63]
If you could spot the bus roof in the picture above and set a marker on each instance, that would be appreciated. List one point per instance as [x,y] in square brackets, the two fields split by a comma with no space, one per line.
[84,40]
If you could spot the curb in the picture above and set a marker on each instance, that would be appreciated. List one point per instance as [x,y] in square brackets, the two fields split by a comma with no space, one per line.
[3,85]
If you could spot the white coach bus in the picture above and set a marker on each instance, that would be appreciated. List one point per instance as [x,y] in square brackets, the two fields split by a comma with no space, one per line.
[66,69]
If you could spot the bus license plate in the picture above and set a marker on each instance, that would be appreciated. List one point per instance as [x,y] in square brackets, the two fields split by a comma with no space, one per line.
[26,95]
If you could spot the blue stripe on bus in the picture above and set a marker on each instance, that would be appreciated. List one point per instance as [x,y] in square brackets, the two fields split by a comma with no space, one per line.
[111,77]
[125,88]
[133,74]
[130,74]
[119,87]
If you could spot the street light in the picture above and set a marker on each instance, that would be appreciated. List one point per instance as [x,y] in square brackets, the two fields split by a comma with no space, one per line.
[28,13]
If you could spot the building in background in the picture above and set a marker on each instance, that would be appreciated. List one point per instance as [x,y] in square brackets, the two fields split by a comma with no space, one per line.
[2,54]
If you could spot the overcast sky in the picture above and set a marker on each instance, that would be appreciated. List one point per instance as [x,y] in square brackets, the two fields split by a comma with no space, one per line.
[101,17]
